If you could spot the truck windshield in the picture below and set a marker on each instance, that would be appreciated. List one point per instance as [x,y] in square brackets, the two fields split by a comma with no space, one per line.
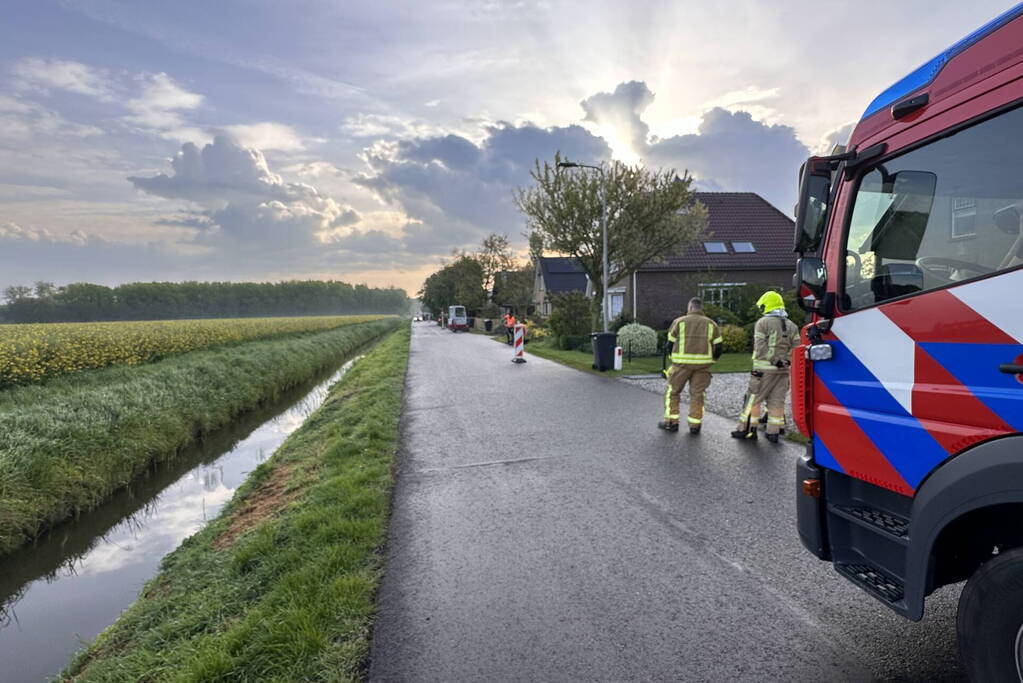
[941,214]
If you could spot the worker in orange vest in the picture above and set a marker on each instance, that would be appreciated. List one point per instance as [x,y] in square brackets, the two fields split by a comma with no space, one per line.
[509,324]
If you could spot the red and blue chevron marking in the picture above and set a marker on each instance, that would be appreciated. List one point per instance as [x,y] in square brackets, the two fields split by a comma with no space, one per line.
[958,396]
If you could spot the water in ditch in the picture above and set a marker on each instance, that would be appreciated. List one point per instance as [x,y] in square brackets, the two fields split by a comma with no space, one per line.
[74,581]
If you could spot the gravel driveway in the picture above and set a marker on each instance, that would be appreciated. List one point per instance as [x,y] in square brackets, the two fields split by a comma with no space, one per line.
[725,396]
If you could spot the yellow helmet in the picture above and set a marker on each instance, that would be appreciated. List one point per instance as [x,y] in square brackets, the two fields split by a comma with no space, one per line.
[770,301]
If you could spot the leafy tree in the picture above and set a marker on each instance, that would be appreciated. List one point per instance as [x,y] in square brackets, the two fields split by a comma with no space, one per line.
[515,288]
[457,283]
[44,290]
[494,256]
[650,214]
[169,300]
[571,315]
[17,292]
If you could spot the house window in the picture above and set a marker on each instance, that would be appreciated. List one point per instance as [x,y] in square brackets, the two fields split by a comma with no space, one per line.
[717,293]
[616,302]
[964,217]
[715,247]
[743,247]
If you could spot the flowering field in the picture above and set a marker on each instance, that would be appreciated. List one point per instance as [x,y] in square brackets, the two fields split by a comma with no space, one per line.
[31,353]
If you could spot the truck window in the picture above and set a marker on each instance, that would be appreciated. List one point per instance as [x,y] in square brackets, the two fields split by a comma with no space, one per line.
[941,214]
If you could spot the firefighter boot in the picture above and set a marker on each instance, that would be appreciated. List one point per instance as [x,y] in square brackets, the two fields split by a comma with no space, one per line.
[750,433]
[773,438]
[694,429]
[668,425]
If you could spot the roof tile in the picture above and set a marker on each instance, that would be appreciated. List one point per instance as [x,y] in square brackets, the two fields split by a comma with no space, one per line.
[737,217]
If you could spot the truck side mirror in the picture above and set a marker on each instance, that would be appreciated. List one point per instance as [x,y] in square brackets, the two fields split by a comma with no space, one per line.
[811,285]
[812,207]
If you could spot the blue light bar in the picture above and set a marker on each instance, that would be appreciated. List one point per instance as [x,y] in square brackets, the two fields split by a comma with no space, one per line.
[926,72]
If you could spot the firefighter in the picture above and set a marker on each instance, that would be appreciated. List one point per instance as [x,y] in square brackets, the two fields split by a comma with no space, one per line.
[695,344]
[774,337]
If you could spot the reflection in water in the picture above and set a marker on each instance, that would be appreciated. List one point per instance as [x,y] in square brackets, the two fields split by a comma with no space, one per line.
[73,582]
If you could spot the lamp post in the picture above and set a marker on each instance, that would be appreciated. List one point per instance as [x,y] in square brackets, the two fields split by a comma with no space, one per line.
[604,311]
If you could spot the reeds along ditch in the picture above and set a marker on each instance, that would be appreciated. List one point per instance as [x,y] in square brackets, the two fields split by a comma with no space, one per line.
[282,585]
[66,445]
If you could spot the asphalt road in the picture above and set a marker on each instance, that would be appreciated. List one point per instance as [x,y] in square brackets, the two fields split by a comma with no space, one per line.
[543,529]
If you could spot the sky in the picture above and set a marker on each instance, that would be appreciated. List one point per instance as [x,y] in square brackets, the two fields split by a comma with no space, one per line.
[364,141]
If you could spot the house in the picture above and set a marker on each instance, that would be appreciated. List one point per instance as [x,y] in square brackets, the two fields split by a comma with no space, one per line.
[556,275]
[747,241]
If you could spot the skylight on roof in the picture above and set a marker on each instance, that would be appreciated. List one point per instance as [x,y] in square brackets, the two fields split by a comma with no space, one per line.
[715,247]
[743,247]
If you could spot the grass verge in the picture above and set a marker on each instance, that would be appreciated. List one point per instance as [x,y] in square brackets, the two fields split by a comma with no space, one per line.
[729,362]
[281,586]
[68,444]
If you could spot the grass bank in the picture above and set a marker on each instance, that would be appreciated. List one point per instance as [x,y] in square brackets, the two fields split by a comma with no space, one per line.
[729,362]
[67,445]
[281,586]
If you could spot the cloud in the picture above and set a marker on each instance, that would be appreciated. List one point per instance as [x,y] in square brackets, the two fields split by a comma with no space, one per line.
[621,111]
[458,191]
[365,125]
[267,136]
[36,73]
[733,151]
[159,106]
[836,136]
[12,232]
[240,202]
[22,121]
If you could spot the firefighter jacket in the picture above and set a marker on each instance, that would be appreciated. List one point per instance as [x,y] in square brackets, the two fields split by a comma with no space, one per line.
[774,337]
[692,339]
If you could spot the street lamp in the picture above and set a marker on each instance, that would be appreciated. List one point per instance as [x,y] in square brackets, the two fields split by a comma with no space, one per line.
[604,311]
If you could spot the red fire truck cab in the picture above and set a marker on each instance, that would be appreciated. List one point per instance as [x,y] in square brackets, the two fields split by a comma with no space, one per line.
[909,379]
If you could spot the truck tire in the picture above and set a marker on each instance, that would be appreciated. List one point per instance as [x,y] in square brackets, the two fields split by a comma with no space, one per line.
[989,621]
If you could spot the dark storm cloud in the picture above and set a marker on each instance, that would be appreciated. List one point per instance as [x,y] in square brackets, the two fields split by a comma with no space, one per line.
[732,151]
[457,191]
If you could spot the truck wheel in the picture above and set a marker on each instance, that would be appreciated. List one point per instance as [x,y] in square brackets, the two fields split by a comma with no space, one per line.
[989,621]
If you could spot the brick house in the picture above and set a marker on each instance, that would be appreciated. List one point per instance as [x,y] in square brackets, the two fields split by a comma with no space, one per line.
[748,241]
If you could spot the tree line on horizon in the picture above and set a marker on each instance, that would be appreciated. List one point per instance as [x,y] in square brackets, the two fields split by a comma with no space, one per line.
[83,302]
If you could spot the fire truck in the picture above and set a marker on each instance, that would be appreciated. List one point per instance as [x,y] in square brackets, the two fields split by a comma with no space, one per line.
[909,377]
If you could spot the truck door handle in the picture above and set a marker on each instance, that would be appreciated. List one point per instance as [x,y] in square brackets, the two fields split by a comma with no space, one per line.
[1011,368]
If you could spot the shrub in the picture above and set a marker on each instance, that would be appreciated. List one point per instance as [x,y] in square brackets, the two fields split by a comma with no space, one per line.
[796,314]
[535,331]
[573,342]
[735,339]
[571,315]
[620,321]
[490,310]
[640,339]
[720,314]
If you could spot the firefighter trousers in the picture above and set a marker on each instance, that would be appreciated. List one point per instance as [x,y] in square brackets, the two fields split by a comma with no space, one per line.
[698,378]
[771,387]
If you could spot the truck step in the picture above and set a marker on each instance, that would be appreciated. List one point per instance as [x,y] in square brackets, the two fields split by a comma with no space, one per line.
[872,580]
[884,521]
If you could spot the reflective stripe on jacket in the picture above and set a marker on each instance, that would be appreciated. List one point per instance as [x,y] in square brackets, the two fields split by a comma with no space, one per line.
[774,337]
[692,339]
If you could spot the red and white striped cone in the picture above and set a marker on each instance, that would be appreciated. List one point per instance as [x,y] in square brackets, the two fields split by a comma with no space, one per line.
[520,344]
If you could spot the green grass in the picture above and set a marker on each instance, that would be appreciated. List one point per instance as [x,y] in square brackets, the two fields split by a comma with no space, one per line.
[292,597]
[729,362]
[70,443]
